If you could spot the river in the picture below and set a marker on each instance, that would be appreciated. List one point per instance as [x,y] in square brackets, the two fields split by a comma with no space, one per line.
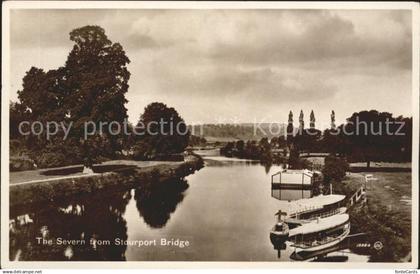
[223,212]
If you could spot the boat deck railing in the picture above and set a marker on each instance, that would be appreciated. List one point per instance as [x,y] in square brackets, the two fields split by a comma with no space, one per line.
[306,209]
[326,240]
[326,214]
[307,244]
[359,195]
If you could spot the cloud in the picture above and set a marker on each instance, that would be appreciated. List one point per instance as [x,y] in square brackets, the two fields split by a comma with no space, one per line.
[267,84]
[315,37]
[245,37]
[142,41]
[225,61]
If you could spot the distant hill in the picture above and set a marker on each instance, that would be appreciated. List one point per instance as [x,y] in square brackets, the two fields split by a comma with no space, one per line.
[244,131]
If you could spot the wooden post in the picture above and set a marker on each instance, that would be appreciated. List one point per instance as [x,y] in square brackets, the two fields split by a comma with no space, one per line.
[303,180]
[272,185]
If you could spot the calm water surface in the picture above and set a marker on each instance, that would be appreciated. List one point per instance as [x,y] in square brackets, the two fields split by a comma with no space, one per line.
[225,211]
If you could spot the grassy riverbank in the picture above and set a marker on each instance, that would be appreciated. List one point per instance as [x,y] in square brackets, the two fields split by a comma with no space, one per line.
[77,170]
[40,189]
[387,216]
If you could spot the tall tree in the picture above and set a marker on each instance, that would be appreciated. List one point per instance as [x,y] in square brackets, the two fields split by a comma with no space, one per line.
[372,136]
[41,95]
[331,141]
[18,114]
[265,150]
[312,120]
[313,135]
[41,101]
[290,129]
[301,122]
[89,88]
[97,80]
[333,120]
[165,132]
[299,142]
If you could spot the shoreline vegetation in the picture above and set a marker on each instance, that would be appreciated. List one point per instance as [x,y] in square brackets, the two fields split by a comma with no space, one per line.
[386,216]
[125,177]
[265,151]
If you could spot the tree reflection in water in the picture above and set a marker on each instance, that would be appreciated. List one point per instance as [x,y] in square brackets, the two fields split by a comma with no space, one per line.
[267,167]
[97,216]
[155,203]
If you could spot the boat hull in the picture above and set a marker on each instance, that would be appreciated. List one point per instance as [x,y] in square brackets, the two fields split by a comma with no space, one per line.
[326,245]
[278,239]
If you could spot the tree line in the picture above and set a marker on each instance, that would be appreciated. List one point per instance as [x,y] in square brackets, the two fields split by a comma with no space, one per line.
[92,84]
[365,136]
[90,87]
[263,150]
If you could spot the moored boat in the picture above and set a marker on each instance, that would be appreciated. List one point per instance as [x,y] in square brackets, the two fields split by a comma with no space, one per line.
[320,206]
[304,211]
[321,233]
[280,232]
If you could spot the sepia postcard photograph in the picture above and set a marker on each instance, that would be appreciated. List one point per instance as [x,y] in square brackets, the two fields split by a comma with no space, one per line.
[204,134]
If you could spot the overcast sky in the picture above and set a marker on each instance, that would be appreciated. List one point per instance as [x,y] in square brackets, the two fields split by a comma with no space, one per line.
[239,65]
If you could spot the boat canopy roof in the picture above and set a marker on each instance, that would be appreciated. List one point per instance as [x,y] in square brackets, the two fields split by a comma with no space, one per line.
[320,225]
[313,203]
[298,171]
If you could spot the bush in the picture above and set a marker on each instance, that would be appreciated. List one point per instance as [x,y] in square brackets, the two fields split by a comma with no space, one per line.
[334,169]
[49,159]
[295,162]
[16,147]
[166,132]
[386,226]
[54,159]
[21,164]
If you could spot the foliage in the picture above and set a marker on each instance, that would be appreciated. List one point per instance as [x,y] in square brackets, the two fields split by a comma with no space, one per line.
[372,140]
[333,143]
[52,159]
[278,142]
[91,86]
[295,162]
[196,140]
[17,115]
[21,164]
[307,140]
[386,226]
[96,80]
[334,169]
[366,136]
[252,150]
[243,131]
[165,132]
